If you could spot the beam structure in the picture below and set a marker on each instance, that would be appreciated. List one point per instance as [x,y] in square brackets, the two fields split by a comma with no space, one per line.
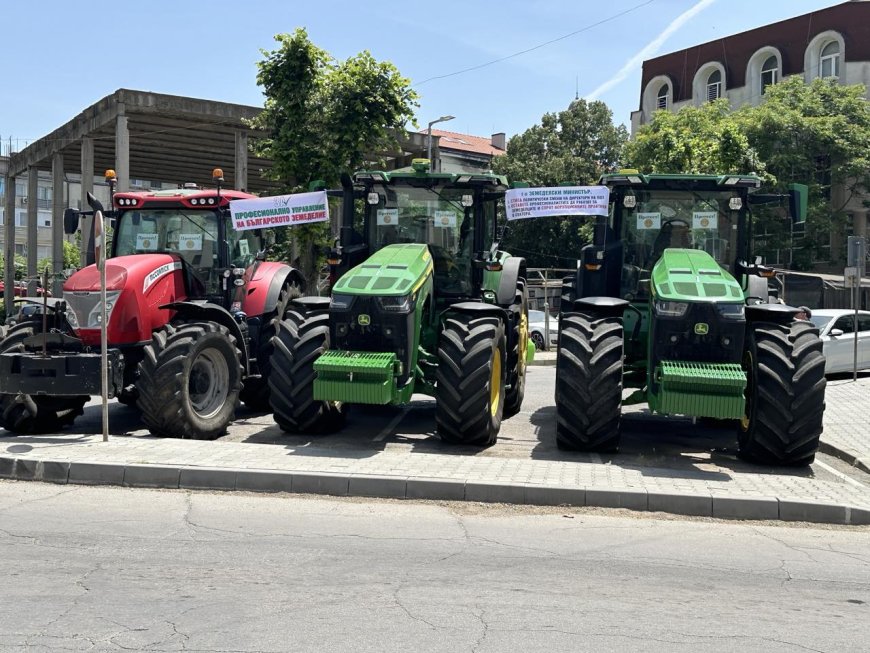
[32,215]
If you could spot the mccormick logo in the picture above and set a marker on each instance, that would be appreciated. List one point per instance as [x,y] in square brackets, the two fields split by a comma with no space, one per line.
[160,272]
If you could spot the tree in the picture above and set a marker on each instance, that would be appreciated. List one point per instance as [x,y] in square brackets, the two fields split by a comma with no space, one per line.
[323,117]
[573,146]
[816,134]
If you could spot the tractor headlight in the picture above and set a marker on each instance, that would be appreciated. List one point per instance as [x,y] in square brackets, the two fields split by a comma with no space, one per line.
[96,315]
[731,311]
[71,318]
[671,309]
[341,302]
[393,304]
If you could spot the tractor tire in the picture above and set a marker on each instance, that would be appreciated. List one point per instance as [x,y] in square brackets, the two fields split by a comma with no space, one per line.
[189,381]
[589,383]
[300,339]
[52,412]
[470,382]
[785,394]
[255,389]
[566,299]
[517,366]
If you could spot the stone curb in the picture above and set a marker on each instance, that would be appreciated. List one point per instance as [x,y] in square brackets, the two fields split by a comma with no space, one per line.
[405,487]
[845,455]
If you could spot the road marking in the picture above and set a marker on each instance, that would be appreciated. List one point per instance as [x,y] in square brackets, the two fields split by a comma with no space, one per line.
[841,475]
[389,428]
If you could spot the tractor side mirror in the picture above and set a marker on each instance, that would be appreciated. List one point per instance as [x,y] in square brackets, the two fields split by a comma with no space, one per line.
[70,221]
[94,203]
[797,203]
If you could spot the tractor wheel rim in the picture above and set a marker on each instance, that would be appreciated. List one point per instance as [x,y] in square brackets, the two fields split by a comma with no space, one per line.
[208,383]
[495,383]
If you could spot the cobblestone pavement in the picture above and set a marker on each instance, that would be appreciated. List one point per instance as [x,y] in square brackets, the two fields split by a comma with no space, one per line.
[664,464]
[847,420]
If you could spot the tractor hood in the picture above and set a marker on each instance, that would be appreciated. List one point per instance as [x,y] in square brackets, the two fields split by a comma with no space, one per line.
[394,270]
[691,275]
[143,268]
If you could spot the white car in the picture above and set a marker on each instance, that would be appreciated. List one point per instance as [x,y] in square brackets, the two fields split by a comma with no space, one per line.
[836,326]
[537,329]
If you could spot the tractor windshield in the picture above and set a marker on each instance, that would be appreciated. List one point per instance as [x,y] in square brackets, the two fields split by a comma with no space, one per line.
[662,219]
[439,216]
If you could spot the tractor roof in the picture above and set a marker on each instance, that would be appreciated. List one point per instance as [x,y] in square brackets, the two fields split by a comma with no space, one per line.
[471,179]
[636,179]
[175,196]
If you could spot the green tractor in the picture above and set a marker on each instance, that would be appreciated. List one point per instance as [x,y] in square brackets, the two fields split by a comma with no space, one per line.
[667,300]
[423,301]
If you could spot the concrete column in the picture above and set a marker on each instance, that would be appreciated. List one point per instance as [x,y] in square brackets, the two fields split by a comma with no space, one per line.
[87,171]
[57,207]
[32,229]
[122,151]
[241,160]
[9,244]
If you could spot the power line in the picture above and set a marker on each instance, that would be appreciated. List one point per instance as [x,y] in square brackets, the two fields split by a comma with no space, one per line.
[539,46]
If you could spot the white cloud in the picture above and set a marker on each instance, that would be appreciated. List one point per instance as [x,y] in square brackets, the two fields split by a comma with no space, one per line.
[649,49]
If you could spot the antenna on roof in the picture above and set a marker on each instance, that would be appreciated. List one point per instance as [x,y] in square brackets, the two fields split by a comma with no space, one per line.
[577,88]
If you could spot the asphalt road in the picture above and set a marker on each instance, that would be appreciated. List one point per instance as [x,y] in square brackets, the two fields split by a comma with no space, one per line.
[673,446]
[89,568]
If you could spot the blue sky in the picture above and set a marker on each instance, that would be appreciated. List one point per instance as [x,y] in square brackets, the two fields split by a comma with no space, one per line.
[210,50]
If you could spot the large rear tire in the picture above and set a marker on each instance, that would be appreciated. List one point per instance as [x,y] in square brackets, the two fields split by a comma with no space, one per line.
[300,338]
[516,376]
[470,383]
[785,394]
[189,381]
[588,383]
[52,412]
[255,390]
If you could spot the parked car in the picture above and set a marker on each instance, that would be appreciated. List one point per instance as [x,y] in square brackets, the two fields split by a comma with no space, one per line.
[30,308]
[838,338]
[537,330]
[21,289]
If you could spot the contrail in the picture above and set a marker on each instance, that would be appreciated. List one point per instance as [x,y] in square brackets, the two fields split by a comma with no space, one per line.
[650,48]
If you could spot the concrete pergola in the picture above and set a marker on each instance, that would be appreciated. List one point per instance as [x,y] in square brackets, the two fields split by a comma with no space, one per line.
[143,135]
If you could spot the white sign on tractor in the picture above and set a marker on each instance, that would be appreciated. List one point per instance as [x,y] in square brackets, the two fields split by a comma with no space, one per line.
[279,211]
[523,203]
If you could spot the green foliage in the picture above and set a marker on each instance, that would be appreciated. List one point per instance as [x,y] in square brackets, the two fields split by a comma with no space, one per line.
[816,134]
[323,117]
[573,146]
[695,140]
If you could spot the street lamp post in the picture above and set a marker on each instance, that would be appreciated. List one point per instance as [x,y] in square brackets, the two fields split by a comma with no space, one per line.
[429,138]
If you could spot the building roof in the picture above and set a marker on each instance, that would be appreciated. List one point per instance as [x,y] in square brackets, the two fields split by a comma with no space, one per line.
[790,36]
[466,143]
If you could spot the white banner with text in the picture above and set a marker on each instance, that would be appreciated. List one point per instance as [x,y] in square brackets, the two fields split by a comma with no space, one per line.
[279,211]
[522,203]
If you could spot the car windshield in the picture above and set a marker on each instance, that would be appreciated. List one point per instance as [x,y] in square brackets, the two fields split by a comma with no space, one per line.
[664,219]
[821,321]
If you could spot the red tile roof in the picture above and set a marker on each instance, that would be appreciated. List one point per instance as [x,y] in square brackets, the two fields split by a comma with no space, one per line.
[466,143]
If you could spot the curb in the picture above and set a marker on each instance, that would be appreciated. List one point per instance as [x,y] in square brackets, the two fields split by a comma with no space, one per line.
[846,456]
[412,487]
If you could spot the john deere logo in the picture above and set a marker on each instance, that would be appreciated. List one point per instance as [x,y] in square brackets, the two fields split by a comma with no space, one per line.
[364,320]
[702,328]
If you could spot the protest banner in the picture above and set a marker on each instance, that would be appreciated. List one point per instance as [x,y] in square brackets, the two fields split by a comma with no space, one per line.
[522,203]
[279,211]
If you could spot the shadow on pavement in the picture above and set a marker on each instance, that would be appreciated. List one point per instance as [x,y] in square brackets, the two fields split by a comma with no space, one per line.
[658,446]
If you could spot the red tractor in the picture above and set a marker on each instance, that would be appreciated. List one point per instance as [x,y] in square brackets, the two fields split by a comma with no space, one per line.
[190,303]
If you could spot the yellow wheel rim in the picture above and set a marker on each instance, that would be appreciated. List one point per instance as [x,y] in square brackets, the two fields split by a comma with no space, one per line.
[495,383]
[524,342]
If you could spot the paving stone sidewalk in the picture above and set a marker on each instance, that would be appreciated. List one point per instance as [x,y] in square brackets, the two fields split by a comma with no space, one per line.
[705,491]
[847,421]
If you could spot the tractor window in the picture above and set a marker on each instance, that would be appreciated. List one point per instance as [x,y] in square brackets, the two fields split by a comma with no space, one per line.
[191,234]
[434,215]
[663,219]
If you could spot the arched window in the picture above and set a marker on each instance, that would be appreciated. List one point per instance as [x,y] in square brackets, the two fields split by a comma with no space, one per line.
[769,72]
[714,86]
[829,60]
[662,97]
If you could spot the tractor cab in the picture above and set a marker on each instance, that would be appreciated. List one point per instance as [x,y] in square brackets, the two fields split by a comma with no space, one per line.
[454,216]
